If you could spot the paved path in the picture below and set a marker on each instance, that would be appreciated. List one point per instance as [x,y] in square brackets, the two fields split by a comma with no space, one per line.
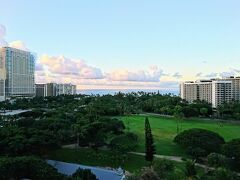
[173,158]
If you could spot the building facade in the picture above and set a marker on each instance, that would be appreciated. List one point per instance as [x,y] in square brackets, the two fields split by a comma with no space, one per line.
[53,89]
[221,92]
[198,90]
[17,72]
[2,76]
[65,89]
[235,87]
[215,91]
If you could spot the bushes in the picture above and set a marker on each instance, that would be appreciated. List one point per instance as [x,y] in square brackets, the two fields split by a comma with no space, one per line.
[232,150]
[27,167]
[217,160]
[163,167]
[220,174]
[124,142]
[199,142]
[84,174]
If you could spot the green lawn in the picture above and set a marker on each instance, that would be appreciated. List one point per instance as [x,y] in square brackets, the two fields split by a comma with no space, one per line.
[165,129]
[103,158]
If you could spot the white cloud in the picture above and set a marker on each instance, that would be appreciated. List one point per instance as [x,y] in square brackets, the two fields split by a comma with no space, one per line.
[177,75]
[18,45]
[62,65]
[153,74]
[226,74]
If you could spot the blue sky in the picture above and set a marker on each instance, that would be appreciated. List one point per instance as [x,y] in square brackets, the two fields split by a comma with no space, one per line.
[123,38]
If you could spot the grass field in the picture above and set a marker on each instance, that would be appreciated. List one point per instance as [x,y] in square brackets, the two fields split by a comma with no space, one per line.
[102,159]
[165,129]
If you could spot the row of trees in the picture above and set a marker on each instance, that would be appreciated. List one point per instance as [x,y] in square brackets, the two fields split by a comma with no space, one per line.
[129,103]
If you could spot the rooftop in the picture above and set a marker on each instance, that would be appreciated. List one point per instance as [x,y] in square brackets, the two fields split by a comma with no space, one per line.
[101,173]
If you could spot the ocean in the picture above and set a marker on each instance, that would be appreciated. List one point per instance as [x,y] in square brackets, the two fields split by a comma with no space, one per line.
[114,91]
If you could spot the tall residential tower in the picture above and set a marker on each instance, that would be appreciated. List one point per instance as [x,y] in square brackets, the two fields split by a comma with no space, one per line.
[17,70]
[215,91]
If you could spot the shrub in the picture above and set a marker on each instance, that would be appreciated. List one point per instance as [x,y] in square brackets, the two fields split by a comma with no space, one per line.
[224,174]
[195,152]
[27,167]
[232,150]
[177,175]
[124,143]
[163,167]
[199,142]
[84,174]
[148,173]
[217,160]
[190,169]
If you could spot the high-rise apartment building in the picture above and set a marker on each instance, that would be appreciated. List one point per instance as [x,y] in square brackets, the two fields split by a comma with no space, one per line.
[235,87]
[65,89]
[17,70]
[215,91]
[53,89]
[2,77]
[198,90]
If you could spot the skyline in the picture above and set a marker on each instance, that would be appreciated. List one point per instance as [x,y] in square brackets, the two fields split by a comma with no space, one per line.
[125,45]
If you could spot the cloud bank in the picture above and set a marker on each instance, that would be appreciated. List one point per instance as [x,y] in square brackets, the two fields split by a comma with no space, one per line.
[153,74]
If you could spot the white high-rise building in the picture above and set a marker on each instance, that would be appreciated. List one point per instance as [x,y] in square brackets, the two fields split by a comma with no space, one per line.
[17,70]
[221,92]
[67,89]
[235,87]
[2,77]
[215,91]
[198,90]
[53,89]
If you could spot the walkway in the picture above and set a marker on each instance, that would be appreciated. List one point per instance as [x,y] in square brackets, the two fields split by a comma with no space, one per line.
[173,158]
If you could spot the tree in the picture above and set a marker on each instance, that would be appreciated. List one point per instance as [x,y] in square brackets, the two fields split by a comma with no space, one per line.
[27,167]
[84,174]
[217,160]
[150,147]
[232,150]
[163,167]
[190,169]
[204,111]
[149,173]
[178,114]
[199,142]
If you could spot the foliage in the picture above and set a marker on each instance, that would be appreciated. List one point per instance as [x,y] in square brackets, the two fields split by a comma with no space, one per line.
[148,173]
[190,169]
[150,147]
[27,167]
[163,167]
[220,174]
[217,160]
[124,143]
[19,141]
[232,150]
[199,142]
[84,174]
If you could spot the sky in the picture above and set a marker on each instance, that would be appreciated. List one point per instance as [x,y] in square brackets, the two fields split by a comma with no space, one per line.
[125,44]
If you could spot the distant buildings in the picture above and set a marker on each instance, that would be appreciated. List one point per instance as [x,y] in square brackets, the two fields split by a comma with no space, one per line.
[54,89]
[17,69]
[215,91]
